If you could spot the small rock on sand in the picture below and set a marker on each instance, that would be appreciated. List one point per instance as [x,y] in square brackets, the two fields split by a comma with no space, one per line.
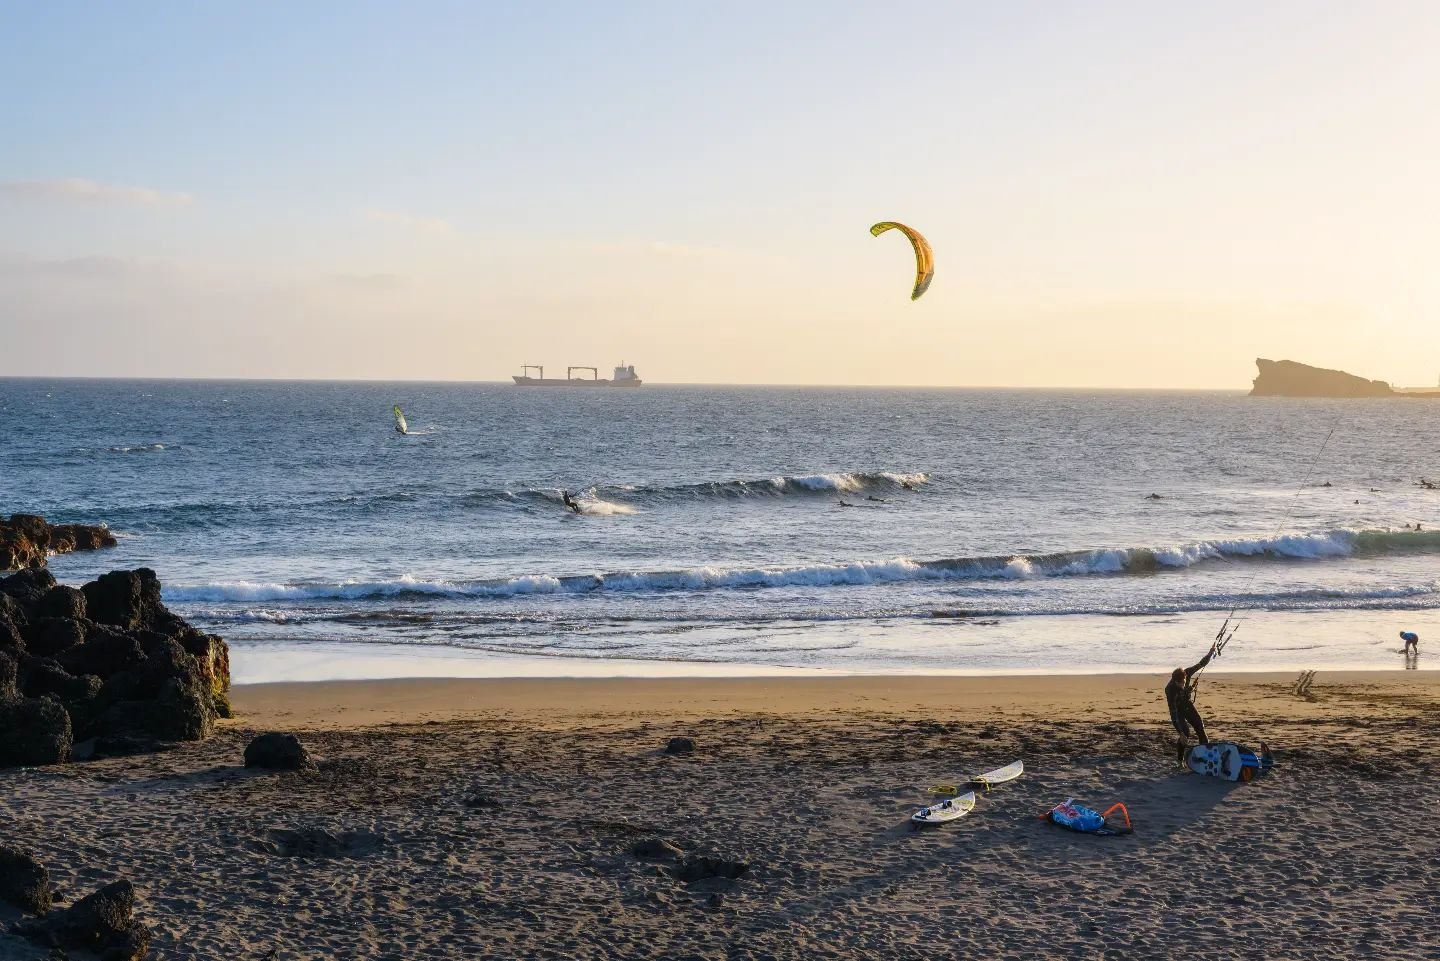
[655,848]
[24,882]
[699,867]
[278,752]
[103,922]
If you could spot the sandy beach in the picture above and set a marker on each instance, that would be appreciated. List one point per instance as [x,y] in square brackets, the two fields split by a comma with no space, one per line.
[500,819]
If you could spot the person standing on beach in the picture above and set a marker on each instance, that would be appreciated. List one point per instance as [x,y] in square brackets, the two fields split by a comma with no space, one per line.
[1412,642]
[1180,695]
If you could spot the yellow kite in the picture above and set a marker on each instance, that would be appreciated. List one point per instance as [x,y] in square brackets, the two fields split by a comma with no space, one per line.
[924,257]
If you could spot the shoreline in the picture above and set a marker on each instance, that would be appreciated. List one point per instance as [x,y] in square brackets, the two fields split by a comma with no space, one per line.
[319,705]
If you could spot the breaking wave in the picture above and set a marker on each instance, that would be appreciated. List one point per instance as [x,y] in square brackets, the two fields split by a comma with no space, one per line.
[778,486]
[1136,561]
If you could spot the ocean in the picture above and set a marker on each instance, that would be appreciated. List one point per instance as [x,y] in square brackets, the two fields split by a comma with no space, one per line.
[1001,531]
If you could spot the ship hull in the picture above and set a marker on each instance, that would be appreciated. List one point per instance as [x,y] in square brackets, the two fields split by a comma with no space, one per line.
[577,382]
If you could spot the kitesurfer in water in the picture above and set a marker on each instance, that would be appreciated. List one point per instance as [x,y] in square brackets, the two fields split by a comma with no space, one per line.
[1412,642]
[1180,694]
[569,501]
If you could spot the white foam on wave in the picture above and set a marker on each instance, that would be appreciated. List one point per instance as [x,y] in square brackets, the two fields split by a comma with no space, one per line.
[1107,562]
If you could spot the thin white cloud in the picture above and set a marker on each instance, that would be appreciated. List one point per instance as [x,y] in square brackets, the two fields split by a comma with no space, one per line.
[425,225]
[80,190]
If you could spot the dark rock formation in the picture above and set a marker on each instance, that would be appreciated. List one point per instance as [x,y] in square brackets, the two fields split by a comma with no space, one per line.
[656,848]
[130,600]
[699,867]
[26,540]
[1286,378]
[311,842]
[34,730]
[28,586]
[24,882]
[680,745]
[9,677]
[278,752]
[107,664]
[103,922]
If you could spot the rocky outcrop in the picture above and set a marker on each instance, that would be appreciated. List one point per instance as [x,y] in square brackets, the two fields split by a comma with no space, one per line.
[106,664]
[1286,378]
[102,922]
[27,540]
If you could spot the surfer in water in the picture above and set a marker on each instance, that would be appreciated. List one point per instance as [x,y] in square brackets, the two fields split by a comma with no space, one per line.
[1180,695]
[569,501]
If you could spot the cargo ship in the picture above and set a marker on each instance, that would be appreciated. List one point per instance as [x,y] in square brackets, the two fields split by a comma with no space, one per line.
[624,377]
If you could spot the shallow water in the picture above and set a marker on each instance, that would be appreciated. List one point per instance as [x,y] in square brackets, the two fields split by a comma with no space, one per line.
[988,530]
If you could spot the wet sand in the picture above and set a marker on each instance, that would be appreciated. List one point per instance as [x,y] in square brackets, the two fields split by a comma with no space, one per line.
[497,818]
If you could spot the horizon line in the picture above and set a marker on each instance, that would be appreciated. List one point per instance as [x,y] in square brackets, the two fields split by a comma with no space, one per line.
[502,383]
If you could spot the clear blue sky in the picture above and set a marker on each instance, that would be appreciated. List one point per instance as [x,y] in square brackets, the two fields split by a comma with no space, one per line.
[1118,193]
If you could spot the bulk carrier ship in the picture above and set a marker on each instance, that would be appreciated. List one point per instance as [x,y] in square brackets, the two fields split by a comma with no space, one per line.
[624,377]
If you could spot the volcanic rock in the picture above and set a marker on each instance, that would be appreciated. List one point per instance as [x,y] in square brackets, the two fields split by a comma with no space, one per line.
[130,600]
[278,752]
[49,636]
[34,731]
[27,586]
[9,677]
[102,922]
[699,867]
[107,663]
[62,601]
[24,882]
[27,540]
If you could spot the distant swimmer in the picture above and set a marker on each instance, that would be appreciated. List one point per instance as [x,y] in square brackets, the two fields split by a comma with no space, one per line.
[841,502]
[1412,642]
[878,500]
[569,501]
[1327,484]
[1429,485]
[1153,497]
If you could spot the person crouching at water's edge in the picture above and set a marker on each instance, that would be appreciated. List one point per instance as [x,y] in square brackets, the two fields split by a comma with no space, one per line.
[1180,693]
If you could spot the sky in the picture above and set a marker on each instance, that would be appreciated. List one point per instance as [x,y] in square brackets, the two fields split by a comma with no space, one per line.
[1118,194]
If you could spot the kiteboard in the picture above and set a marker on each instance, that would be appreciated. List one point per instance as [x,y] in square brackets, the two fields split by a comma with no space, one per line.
[950,809]
[1229,761]
[998,776]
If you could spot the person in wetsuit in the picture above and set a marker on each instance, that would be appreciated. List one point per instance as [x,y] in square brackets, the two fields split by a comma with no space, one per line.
[569,501]
[1179,694]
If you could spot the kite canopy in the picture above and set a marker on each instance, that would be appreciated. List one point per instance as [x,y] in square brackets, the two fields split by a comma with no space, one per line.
[400,424]
[924,257]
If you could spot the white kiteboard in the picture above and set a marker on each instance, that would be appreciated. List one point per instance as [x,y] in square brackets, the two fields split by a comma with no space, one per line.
[948,810]
[998,776]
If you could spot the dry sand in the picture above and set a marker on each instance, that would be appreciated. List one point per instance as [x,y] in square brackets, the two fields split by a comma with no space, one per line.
[494,819]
